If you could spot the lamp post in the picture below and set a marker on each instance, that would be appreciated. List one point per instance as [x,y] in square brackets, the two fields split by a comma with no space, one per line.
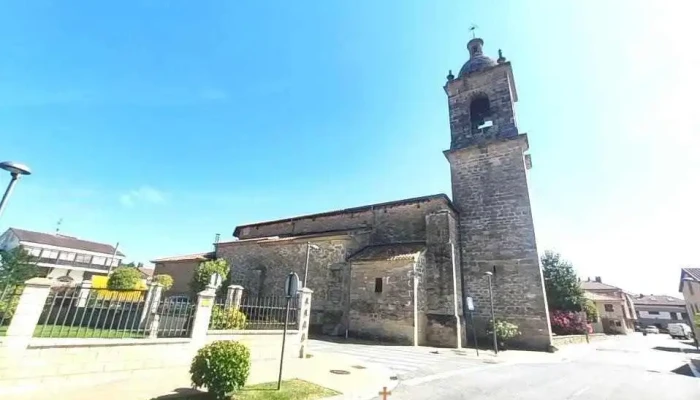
[489,274]
[16,170]
[309,246]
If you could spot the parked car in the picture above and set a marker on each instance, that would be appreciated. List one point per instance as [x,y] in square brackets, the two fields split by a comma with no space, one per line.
[651,329]
[680,331]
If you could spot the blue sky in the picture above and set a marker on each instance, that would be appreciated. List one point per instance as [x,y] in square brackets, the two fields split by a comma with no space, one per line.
[158,124]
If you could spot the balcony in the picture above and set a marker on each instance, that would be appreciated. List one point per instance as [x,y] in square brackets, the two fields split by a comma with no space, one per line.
[43,262]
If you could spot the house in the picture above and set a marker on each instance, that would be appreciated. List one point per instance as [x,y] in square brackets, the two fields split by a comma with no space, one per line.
[64,258]
[181,269]
[690,287]
[660,310]
[616,311]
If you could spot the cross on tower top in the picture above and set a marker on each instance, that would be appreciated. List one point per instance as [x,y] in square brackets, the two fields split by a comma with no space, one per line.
[473,29]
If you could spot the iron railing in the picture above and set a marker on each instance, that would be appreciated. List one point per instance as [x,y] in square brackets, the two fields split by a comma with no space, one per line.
[9,298]
[102,313]
[263,312]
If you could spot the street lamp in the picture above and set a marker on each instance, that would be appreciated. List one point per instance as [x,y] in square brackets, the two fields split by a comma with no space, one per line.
[489,274]
[15,170]
[309,246]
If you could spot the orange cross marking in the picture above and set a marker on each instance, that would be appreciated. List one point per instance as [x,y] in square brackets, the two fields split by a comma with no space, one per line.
[384,393]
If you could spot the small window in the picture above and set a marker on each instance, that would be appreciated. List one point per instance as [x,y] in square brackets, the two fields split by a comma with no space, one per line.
[609,308]
[684,316]
[68,256]
[653,312]
[83,258]
[33,251]
[378,285]
[617,323]
[50,254]
[98,260]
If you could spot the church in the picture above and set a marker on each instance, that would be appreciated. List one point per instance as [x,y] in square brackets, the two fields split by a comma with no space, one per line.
[401,271]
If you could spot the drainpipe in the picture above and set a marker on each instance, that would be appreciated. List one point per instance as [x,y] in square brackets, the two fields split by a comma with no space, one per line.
[454,295]
[415,305]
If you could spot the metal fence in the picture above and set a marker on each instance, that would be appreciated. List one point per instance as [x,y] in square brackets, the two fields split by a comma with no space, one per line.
[74,312]
[9,298]
[262,312]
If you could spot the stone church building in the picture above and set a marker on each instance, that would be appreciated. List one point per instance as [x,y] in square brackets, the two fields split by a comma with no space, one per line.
[401,271]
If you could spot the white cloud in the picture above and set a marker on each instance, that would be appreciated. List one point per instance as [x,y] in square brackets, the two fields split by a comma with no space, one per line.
[145,194]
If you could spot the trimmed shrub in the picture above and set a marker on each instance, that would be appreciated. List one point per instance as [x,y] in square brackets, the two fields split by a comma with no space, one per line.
[567,323]
[124,278]
[205,270]
[222,367]
[226,318]
[165,280]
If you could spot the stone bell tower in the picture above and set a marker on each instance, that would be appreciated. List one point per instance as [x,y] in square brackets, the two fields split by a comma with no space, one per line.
[490,190]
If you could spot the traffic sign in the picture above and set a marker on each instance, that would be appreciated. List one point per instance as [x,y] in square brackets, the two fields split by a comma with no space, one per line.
[291,285]
[470,304]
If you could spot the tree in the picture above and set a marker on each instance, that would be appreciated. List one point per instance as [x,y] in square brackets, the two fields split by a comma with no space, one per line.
[124,278]
[561,283]
[591,310]
[16,266]
[165,280]
[204,271]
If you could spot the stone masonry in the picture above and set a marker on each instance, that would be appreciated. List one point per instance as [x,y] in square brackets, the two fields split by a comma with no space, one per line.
[489,188]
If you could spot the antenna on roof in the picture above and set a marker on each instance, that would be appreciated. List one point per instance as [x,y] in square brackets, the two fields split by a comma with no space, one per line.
[58,225]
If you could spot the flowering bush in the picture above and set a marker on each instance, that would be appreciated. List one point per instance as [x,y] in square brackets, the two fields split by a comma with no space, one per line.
[567,323]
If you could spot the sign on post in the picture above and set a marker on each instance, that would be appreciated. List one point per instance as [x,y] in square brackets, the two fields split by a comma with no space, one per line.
[215,280]
[470,304]
[291,285]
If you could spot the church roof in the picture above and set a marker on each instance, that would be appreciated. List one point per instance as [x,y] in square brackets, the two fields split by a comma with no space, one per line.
[477,60]
[352,210]
[389,252]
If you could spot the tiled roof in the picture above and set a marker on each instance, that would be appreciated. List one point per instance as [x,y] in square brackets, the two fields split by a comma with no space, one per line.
[693,272]
[187,257]
[414,200]
[147,272]
[593,285]
[63,241]
[389,252]
[651,300]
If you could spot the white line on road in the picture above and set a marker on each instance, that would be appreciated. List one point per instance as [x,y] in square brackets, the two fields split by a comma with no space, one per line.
[579,392]
[443,375]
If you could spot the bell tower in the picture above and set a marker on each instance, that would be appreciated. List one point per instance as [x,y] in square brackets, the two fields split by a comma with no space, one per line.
[490,189]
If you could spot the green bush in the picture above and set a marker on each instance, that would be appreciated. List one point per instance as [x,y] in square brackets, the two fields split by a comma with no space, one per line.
[9,303]
[205,270]
[124,278]
[222,367]
[165,280]
[504,330]
[591,311]
[226,318]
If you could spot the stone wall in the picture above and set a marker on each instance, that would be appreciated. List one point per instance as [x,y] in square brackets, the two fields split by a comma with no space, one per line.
[497,235]
[400,221]
[386,316]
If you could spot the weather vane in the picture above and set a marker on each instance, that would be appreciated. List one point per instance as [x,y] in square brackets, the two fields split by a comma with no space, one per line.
[473,28]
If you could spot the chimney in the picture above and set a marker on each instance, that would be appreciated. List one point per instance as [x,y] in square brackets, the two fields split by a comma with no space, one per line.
[597,279]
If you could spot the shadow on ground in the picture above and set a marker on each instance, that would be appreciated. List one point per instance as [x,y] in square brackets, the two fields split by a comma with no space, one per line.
[351,340]
[185,394]
[684,370]
[677,350]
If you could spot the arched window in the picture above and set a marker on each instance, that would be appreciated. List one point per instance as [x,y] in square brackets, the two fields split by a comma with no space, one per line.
[480,113]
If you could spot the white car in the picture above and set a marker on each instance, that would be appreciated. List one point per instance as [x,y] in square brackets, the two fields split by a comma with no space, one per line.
[681,331]
[651,329]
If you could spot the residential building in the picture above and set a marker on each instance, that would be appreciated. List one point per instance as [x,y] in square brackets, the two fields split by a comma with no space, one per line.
[615,307]
[64,258]
[659,310]
[690,287]
[181,269]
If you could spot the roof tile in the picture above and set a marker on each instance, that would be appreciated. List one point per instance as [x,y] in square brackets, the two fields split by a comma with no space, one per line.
[63,241]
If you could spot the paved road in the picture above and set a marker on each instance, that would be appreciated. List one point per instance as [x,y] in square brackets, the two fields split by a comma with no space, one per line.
[407,362]
[635,368]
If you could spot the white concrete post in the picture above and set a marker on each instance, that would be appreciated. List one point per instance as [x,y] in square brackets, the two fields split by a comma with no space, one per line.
[84,293]
[155,297]
[304,319]
[202,315]
[26,316]
[153,330]
[233,296]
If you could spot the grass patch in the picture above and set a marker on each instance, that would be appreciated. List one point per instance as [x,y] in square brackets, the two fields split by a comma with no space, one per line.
[58,331]
[294,389]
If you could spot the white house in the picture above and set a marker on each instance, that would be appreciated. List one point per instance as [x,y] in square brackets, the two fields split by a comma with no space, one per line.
[64,258]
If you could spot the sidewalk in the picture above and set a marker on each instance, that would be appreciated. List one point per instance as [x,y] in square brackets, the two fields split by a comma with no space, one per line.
[363,381]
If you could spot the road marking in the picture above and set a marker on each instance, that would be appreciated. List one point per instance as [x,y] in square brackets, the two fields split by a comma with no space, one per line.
[442,375]
[579,392]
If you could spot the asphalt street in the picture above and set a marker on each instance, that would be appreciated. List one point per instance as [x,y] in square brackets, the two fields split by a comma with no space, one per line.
[635,367]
